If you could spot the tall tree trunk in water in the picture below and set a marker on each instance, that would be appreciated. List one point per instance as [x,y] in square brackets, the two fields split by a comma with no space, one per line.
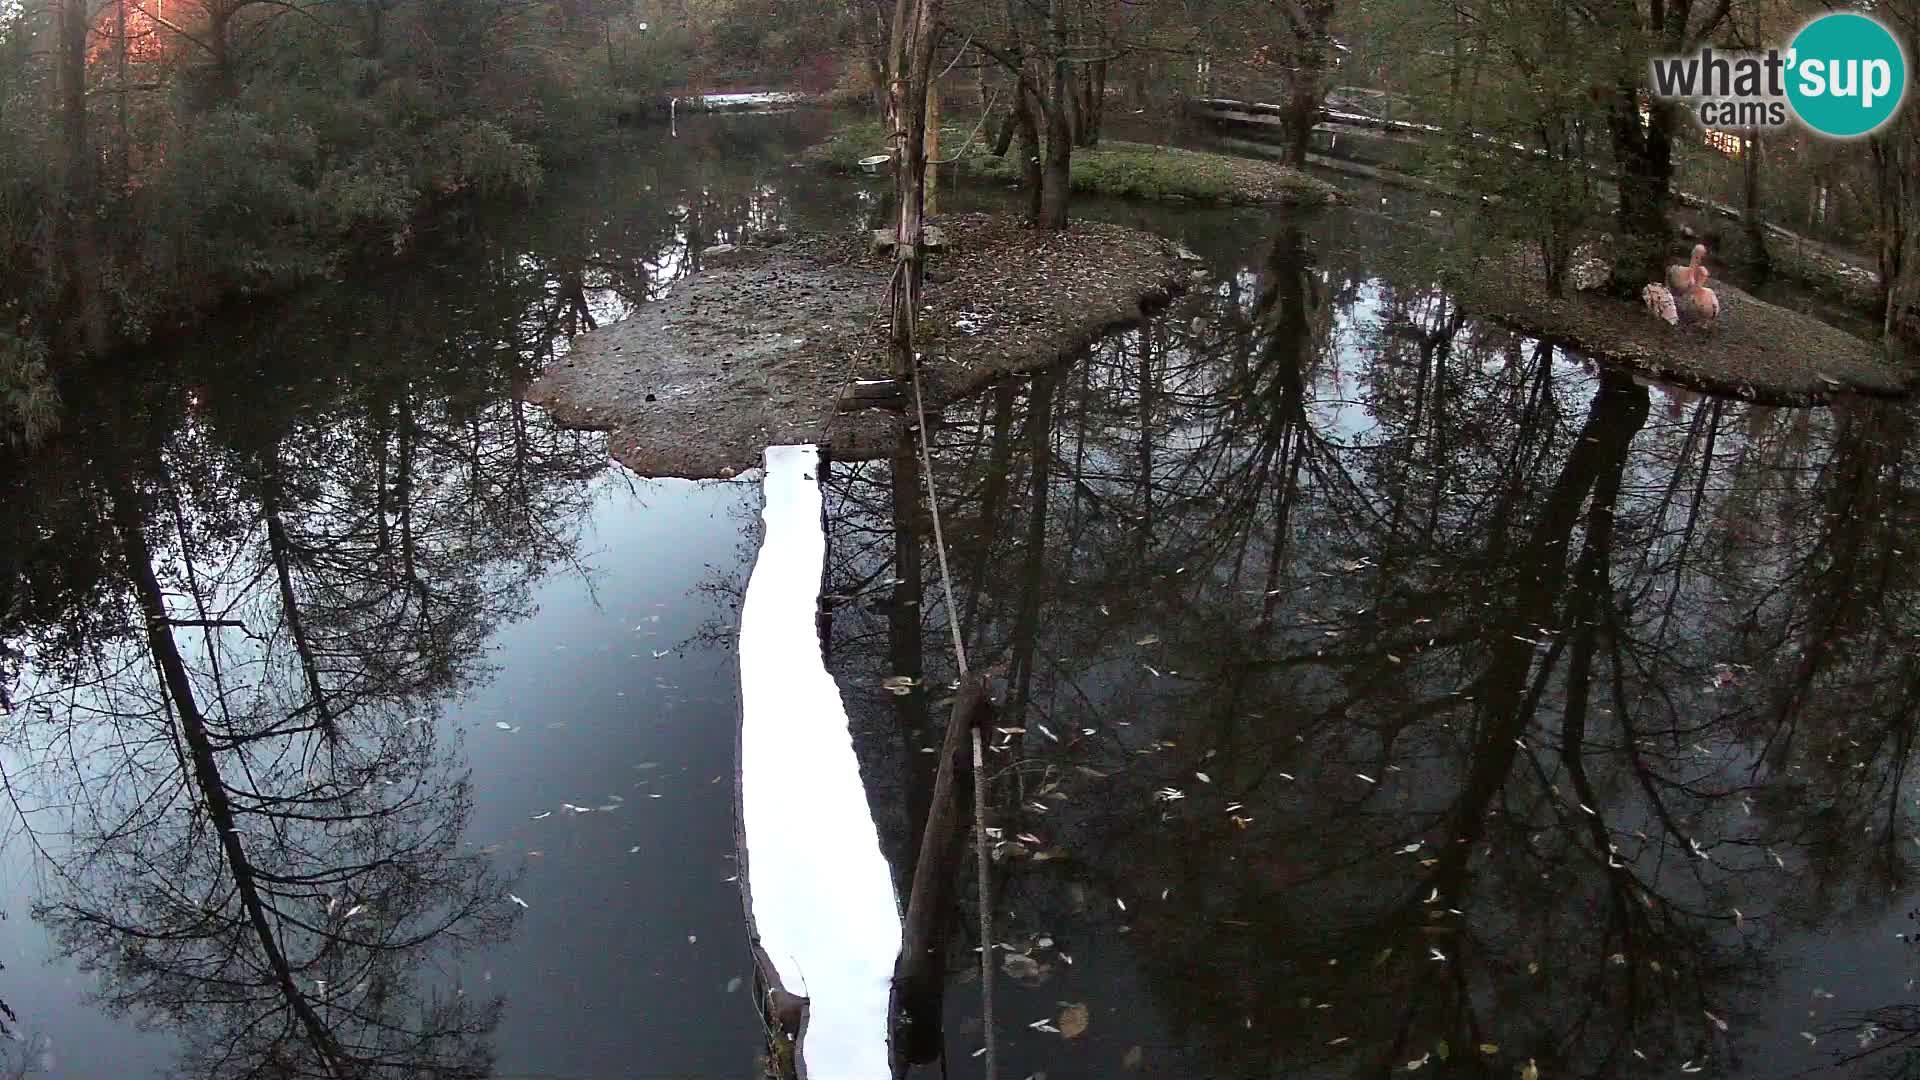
[1643,158]
[914,33]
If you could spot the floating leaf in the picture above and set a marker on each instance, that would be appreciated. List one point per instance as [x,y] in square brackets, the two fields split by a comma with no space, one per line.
[1133,1058]
[733,984]
[503,725]
[1150,639]
[1073,1021]
[516,900]
[1489,1049]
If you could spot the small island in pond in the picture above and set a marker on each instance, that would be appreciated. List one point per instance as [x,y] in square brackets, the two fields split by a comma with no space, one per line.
[762,345]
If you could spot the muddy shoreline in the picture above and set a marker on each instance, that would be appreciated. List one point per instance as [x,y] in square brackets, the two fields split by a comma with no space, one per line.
[762,347]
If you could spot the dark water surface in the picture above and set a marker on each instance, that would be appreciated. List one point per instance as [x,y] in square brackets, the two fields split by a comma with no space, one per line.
[1382,688]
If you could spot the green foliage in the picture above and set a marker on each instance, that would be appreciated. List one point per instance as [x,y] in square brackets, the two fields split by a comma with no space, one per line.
[29,408]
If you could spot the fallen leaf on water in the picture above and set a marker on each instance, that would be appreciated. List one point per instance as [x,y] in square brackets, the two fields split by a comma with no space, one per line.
[516,900]
[1717,1022]
[1132,1058]
[1150,639]
[1203,778]
[1073,1021]
[1338,1041]
[1367,778]
[733,984]
[503,725]
[1489,1049]
[1531,1071]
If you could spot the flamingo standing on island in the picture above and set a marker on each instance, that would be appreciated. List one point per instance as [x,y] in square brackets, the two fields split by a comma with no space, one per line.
[1685,296]
[1681,279]
[1699,304]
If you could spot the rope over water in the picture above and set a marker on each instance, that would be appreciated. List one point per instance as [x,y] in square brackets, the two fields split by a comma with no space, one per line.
[983,861]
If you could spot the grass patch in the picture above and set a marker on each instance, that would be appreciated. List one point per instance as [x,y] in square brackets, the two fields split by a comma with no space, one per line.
[1121,169]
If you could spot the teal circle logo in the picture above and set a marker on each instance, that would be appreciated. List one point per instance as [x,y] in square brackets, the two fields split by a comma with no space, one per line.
[1846,75]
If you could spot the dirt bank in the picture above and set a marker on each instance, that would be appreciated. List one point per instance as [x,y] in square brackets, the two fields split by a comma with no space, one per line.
[1759,351]
[1125,170]
[760,348]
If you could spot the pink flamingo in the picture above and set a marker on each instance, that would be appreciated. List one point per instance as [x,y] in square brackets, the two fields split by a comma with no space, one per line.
[1681,279]
[1699,304]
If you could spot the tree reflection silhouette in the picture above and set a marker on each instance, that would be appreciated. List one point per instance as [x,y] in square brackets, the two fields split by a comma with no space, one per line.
[1531,716]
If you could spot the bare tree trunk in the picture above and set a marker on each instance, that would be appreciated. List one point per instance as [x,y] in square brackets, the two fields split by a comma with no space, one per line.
[83,319]
[914,34]
[932,144]
[123,156]
[1896,159]
[1025,119]
[1003,140]
[1643,159]
[1096,101]
[1756,226]
[1056,176]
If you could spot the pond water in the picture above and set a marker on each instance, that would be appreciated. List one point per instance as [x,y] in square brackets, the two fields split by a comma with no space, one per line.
[1382,690]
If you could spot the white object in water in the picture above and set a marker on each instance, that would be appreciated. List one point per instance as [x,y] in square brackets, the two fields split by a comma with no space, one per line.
[820,895]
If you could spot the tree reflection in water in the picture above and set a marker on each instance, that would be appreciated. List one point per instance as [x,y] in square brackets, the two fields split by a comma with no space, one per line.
[253,827]
[1425,694]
